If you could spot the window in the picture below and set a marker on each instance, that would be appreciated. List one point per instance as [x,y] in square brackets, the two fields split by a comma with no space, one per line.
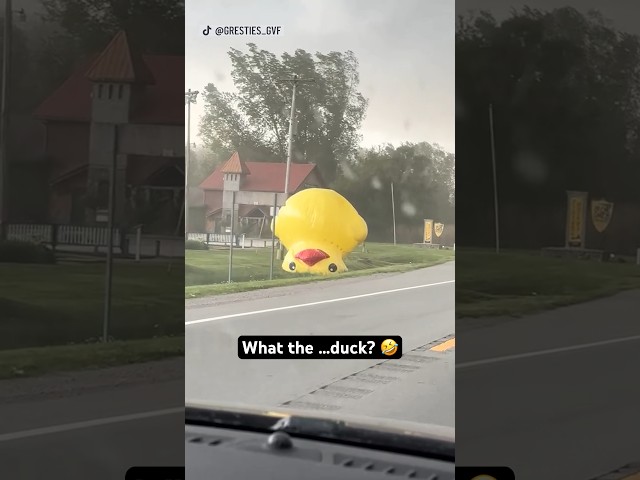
[110,91]
[120,90]
[100,90]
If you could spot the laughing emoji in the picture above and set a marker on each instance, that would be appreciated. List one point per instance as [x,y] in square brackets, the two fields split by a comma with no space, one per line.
[389,347]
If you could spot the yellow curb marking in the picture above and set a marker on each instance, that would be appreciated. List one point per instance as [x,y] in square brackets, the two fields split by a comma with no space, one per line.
[441,347]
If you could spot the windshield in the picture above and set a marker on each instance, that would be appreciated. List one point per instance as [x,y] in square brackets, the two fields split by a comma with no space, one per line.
[320,214]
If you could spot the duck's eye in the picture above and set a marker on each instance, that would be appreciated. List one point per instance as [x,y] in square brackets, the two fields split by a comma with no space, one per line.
[333,267]
[292,266]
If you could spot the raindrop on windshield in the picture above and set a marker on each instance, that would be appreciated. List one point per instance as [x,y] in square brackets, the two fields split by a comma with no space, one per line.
[408,209]
[531,168]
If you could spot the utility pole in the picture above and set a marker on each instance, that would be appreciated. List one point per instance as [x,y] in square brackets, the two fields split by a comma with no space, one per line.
[495,181]
[190,97]
[111,213]
[295,80]
[273,233]
[393,210]
[4,113]
[233,219]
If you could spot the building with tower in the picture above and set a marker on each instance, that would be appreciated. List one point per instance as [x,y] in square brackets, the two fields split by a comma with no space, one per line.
[252,188]
[119,105]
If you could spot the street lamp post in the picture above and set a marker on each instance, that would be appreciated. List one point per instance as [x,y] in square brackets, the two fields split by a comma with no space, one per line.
[190,97]
[4,109]
[6,69]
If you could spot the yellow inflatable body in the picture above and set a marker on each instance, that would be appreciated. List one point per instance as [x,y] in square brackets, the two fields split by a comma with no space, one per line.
[319,227]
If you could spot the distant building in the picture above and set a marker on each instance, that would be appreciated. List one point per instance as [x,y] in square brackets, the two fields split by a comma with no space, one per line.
[143,96]
[257,185]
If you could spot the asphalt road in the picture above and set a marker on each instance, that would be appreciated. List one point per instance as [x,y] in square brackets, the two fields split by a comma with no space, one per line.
[419,306]
[553,395]
[95,434]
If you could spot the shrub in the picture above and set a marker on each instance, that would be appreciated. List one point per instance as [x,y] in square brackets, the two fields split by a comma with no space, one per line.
[12,251]
[195,245]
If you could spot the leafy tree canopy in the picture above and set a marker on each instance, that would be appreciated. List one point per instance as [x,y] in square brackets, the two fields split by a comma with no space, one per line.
[423,181]
[255,120]
[156,25]
[565,89]
[84,27]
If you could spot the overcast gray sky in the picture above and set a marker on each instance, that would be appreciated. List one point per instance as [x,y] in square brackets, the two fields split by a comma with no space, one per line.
[406,51]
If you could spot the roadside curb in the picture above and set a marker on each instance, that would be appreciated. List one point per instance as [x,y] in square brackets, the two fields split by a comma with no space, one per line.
[392,271]
[78,382]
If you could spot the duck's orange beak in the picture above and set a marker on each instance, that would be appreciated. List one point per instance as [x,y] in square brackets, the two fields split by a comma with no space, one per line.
[311,256]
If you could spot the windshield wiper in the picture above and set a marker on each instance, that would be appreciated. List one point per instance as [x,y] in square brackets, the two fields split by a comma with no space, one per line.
[335,431]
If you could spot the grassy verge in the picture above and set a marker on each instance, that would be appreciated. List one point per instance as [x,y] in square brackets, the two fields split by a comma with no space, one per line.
[37,361]
[206,272]
[44,305]
[515,283]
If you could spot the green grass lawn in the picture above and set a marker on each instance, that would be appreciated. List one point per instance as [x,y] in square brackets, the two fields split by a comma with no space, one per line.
[206,272]
[43,305]
[514,283]
[37,361]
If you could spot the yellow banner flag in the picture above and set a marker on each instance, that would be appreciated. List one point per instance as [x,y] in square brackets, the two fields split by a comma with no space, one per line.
[576,219]
[428,231]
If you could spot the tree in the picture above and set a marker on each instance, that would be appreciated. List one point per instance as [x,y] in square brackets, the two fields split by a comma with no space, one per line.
[255,120]
[156,25]
[84,27]
[202,163]
[423,178]
[24,82]
[564,89]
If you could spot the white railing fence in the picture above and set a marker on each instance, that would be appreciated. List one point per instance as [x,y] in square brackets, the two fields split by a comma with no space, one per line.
[222,239]
[62,234]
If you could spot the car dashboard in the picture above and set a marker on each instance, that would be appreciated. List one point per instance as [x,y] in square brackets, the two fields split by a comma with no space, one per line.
[222,453]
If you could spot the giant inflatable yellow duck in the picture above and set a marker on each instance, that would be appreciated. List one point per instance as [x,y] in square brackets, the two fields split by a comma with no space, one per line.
[319,227]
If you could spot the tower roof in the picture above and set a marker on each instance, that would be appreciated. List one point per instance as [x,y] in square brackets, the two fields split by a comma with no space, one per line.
[235,165]
[120,62]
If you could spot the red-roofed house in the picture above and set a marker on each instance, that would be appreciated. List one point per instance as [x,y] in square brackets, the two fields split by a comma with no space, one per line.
[125,101]
[257,185]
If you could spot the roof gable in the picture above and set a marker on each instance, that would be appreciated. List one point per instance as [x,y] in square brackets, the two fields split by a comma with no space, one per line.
[235,165]
[160,103]
[264,177]
[120,62]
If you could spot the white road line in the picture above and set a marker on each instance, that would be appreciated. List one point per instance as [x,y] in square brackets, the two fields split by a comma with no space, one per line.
[36,432]
[550,351]
[333,300]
